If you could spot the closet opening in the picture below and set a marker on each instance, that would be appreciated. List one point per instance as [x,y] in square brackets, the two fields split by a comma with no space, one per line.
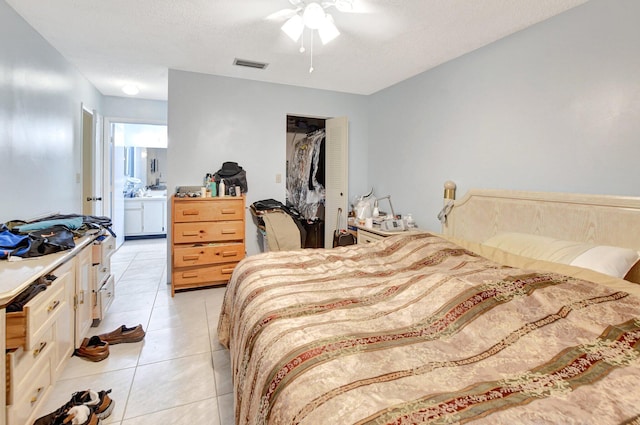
[306,180]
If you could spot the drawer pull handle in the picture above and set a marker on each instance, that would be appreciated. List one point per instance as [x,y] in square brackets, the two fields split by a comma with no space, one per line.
[190,233]
[227,271]
[53,306]
[190,257]
[109,294]
[38,350]
[228,211]
[104,270]
[228,231]
[229,253]
[191,212]
[187,275]
[37,395]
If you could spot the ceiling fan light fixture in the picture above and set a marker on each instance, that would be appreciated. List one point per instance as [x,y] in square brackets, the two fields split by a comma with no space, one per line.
[328,30]
[293,27]
[314,16]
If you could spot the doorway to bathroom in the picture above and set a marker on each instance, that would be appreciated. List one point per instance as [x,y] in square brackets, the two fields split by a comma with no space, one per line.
[139,196]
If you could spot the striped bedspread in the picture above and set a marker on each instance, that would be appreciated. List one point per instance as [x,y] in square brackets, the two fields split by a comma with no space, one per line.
[416,329]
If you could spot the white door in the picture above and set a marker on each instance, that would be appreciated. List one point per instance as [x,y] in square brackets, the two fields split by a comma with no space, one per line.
[336,175]
[91,163]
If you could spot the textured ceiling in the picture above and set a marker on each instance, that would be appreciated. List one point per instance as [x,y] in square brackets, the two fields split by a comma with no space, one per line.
[113,42]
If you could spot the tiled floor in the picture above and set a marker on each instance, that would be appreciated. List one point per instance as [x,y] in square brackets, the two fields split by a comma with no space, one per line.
[179,374]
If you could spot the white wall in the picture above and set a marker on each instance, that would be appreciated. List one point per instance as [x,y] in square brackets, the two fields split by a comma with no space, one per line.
[555,107]
[138,110]
[216,119]
[40,127]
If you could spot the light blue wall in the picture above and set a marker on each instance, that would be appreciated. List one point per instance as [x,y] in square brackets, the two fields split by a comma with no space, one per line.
[40,128]
[555,107]
[216,119]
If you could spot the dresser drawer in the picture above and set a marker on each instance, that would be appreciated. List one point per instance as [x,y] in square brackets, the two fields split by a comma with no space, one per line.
[187,277]
[103,298]
[102,249]
[208,210]
[20,362]
[209,254]
[28,398]
[368,237]
[24,328]
[208,231]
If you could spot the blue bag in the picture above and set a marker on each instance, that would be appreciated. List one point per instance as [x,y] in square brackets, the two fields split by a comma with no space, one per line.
[12,244]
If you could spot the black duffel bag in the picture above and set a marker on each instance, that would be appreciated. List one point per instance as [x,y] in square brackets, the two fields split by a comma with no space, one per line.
[52,239]
[233,175]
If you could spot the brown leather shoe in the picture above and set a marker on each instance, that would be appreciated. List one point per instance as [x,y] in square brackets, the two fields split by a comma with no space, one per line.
[124,334]
[93,349]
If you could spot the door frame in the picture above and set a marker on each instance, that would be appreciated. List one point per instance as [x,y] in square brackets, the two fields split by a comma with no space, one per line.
[115,185]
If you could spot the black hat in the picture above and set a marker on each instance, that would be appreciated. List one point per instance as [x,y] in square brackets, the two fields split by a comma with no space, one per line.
[229,169]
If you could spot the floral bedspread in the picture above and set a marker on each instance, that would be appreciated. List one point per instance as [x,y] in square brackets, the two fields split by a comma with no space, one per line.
[416,329]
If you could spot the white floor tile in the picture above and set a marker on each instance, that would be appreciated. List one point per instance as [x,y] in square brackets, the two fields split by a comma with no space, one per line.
[171,383]
[172,343]
[222,371]
[141,301]
[225,406]
[203,412]
[190,315]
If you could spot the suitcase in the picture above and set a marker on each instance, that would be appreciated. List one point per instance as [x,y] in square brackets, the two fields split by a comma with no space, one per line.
[342,237]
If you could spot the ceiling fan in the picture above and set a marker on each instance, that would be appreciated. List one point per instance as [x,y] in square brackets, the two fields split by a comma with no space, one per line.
[311,15]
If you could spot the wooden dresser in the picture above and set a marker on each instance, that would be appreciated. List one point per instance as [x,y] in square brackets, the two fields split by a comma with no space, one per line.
[207,237]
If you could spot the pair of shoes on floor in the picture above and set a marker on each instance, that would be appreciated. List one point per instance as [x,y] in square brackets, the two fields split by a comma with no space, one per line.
[85,408]
[96,348]
[124,334]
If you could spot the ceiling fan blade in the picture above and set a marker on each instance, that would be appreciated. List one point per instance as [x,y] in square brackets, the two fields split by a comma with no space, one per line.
[282,14]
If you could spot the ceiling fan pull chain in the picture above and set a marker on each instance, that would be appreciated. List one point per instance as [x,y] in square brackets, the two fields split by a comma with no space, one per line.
[311,67]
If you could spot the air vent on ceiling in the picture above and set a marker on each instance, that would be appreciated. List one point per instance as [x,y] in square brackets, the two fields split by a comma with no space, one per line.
[250,64]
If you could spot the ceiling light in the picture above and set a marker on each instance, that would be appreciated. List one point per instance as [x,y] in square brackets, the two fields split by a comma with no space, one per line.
[313,16]
[130,89]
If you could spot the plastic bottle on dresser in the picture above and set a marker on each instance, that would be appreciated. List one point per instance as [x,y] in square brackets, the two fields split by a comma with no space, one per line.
[212,187]
[221,188]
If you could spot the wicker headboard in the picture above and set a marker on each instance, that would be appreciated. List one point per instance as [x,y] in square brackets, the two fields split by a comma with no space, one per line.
[597,219]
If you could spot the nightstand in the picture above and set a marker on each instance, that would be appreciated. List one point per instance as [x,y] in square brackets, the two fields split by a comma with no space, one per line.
[375,234]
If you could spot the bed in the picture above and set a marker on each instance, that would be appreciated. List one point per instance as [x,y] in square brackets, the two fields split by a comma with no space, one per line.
[443,328]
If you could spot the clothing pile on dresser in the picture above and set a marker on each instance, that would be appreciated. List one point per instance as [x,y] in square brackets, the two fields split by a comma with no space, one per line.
[46,235]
